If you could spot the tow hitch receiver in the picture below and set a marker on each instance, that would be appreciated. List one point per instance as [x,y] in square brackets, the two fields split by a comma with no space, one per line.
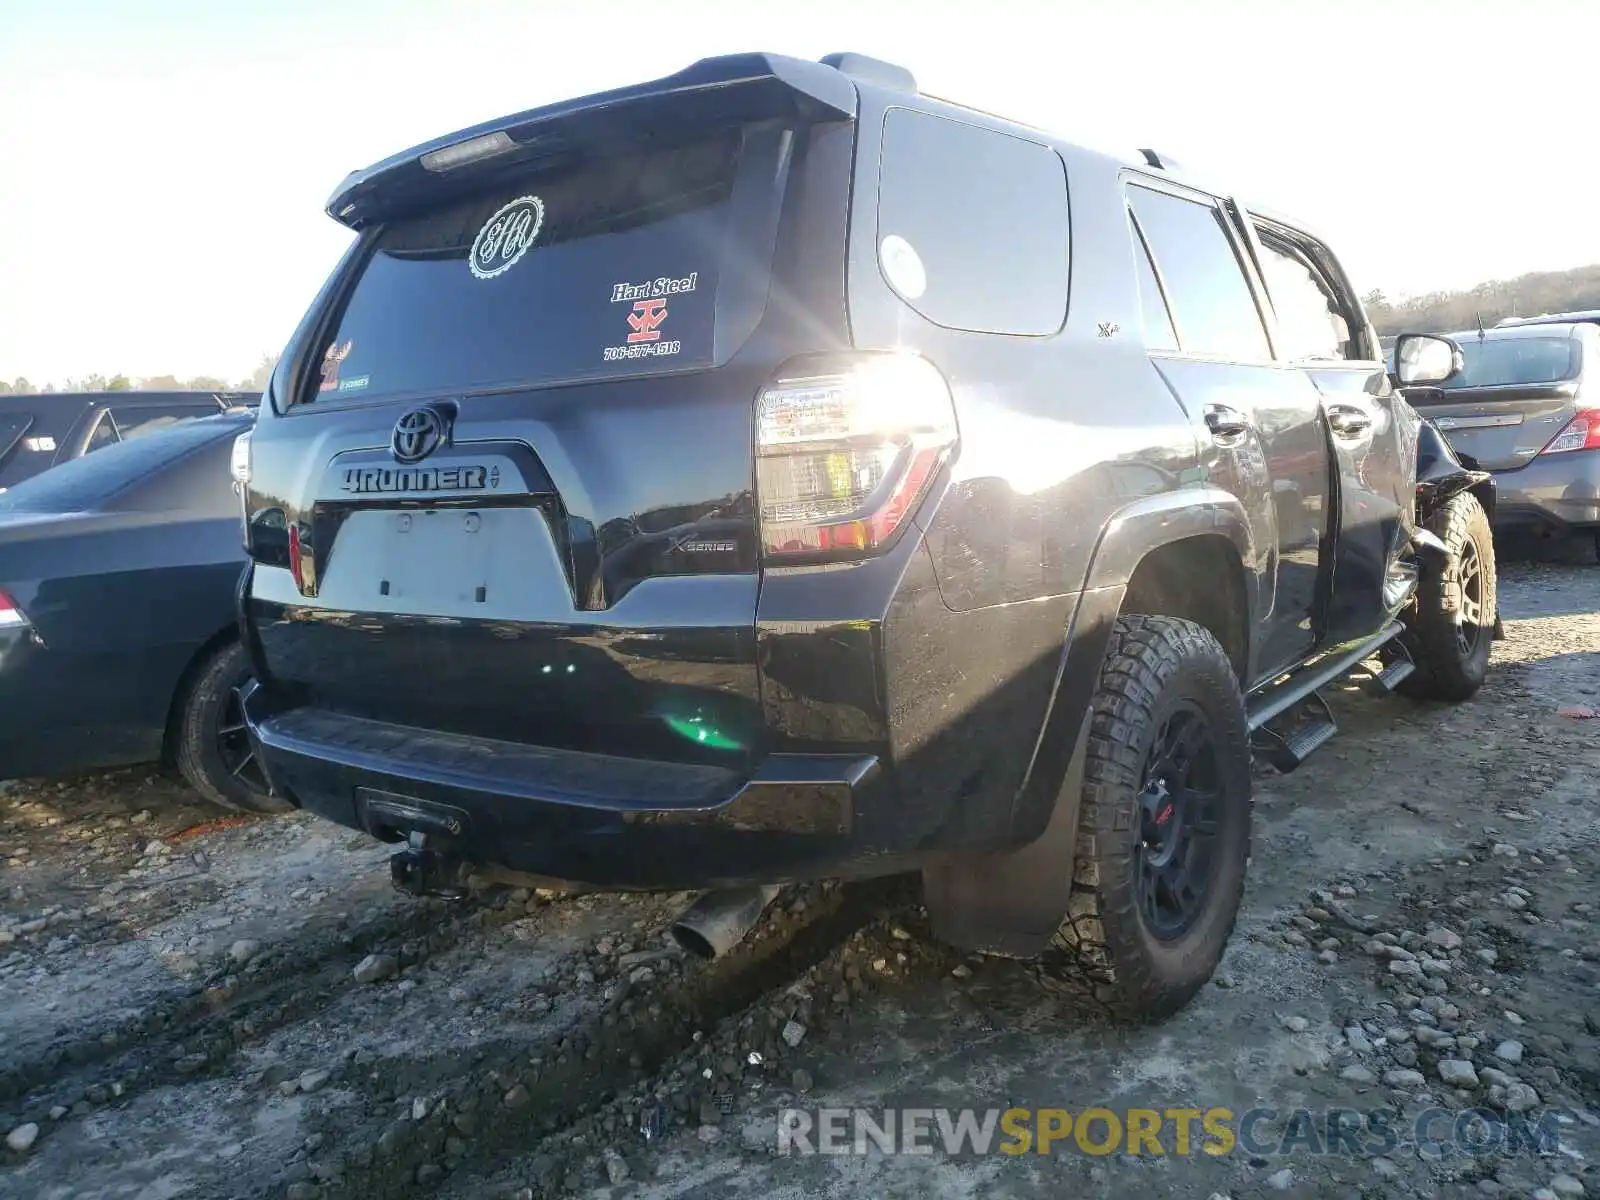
[420,870]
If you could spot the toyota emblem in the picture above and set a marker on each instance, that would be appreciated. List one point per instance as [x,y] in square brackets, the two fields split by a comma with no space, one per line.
[417,434]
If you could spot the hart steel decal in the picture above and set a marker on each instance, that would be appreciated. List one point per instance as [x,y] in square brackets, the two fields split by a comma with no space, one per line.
[648,310]
[645,320]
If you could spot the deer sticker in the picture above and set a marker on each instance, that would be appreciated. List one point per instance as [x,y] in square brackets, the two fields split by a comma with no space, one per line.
[330,364]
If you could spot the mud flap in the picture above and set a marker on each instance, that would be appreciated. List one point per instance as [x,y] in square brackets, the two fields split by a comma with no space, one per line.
[1012,903]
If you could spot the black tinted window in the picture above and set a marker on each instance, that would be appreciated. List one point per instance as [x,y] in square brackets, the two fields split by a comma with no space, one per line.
[87,483]
[1212,306]
[972,225]
[1158,331]
[607,268]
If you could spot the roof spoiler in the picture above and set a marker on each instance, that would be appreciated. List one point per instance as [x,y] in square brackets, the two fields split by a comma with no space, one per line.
[872,70]
[712,91]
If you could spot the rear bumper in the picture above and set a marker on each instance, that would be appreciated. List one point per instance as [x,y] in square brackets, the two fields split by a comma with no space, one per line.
[1558,493]
[588,818]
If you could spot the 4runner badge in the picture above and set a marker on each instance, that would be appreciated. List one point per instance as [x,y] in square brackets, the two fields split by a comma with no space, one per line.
[506,236]
[368,481]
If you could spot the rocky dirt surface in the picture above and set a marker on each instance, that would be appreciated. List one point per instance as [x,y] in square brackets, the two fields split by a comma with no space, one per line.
[244,1007]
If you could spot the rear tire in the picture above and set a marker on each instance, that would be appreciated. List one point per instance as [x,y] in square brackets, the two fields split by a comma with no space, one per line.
[210,746]
[1164,824]
[1451,623]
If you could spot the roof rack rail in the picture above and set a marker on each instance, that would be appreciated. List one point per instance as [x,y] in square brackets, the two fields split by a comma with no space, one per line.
[1161,162]
[871,70]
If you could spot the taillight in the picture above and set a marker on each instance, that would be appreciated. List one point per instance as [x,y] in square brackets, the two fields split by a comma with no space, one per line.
[11,617]
[240,460]
[1581,433]
[296,558]
[845,450]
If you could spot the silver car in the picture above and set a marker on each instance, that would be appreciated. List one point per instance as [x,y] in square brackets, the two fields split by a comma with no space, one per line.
[1526,406]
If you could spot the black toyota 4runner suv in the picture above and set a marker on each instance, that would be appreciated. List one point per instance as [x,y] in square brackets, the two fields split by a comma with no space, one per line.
[771,472]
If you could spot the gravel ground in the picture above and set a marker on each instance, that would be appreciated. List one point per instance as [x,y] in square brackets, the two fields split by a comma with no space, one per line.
[195,1007]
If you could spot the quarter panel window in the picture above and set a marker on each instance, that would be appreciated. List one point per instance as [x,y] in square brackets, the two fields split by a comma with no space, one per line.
[973,225]
[104,434]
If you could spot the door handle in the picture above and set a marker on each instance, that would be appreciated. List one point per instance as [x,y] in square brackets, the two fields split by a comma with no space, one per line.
[1226,423]
[1347,420]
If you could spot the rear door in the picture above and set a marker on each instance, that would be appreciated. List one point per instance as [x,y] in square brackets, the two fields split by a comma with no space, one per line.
[1263,418]
[1321,329]
[1518,390]
[513,495]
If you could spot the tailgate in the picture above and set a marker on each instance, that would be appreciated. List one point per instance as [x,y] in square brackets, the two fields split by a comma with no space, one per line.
[1501,428]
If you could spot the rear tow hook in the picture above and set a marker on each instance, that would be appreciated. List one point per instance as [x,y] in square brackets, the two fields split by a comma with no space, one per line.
[421,870]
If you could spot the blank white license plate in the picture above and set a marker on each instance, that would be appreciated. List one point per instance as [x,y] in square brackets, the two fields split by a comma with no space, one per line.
[438,555]
[489,563]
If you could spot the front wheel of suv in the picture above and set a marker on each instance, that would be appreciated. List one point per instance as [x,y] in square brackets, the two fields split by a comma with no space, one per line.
[1451,623]
[1164,823]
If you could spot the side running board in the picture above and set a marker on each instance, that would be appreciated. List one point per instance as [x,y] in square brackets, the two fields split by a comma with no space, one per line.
[1289,719]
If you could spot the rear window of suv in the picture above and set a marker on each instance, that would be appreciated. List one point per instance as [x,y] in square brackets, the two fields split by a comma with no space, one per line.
[603,268]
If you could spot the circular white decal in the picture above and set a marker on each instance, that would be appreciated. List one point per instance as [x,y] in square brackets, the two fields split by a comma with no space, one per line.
[506,236]
[902,267]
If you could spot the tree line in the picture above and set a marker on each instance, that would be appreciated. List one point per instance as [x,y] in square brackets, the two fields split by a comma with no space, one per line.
[256,381]
[1452,312]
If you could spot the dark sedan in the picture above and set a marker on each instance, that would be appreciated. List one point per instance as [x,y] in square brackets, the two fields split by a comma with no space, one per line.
[38,432]
[118,635]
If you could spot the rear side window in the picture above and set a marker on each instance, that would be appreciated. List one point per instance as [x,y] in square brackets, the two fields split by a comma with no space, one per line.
[609,267]
[972,225]
[136,422]
[1212,306]
[84,484]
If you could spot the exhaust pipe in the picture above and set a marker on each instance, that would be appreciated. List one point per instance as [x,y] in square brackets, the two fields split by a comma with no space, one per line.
[719,921]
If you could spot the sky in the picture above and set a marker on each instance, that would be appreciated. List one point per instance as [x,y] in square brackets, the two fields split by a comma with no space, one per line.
[164,163]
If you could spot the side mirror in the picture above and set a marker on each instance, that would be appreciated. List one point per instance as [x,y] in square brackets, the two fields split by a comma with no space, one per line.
[1423,358]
